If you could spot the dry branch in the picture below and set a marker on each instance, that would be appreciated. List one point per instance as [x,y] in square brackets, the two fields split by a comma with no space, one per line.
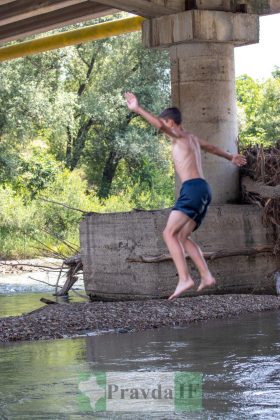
[71,280]
[44,282]
[73,260]
[261,185]
[34,266]
[265,191]
[63,205]
[75,265]
[48,301]
[207,255]
[58,278]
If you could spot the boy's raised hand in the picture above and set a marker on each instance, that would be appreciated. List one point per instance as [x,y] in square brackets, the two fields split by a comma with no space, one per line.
[238,160]
[131,101]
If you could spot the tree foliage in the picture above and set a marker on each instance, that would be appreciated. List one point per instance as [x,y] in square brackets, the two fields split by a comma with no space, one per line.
[75,104]
[67,135]
[259,109]
[103,132]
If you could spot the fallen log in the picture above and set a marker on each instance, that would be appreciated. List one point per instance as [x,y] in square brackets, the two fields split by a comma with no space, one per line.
[73,260]
[256,187]
[207,255]
[75,265]
[34,311]
[48,301]
[71,280]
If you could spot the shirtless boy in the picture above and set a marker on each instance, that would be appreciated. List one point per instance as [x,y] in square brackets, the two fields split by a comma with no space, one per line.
[195,195]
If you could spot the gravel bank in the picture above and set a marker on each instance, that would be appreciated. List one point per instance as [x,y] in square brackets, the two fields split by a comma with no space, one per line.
[28,266]
[62,320]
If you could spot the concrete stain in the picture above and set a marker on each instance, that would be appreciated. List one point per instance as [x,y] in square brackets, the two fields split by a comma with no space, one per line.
[248,230]
[258,6]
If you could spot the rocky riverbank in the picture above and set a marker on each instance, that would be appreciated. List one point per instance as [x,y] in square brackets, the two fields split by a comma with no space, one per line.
[28,266]
[66,320]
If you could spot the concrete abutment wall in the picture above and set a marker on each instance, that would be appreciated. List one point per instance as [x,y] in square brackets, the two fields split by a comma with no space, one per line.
[110,243]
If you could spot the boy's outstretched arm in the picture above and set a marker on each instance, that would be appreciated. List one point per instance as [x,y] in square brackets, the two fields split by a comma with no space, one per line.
[133,105]
[236,159]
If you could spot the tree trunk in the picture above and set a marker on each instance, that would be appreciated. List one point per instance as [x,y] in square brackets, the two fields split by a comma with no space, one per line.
[109,171]
[76,145]
[79,143]
[69,148]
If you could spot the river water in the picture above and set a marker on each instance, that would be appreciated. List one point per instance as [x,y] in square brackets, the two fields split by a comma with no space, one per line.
[237,360]
[20,294]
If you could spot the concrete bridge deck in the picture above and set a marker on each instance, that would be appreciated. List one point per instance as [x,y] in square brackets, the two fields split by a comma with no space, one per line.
[19,19]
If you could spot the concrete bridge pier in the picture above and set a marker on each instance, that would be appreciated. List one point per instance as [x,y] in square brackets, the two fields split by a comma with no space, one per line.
[201,44]
[203,87]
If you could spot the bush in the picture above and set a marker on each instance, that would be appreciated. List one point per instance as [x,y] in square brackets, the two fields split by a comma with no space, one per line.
[17,223]
[31,227]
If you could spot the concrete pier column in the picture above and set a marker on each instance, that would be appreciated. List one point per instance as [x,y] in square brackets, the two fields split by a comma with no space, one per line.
[201,44]
[203,88]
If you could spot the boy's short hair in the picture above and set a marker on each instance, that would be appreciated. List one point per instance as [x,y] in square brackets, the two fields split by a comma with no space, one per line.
[172,114]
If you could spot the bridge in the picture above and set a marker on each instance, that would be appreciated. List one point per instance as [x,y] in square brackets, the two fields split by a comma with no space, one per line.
[201,36]
[22,18]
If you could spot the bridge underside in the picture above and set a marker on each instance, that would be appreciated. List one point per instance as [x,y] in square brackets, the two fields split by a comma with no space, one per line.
[200,36]
[21,18]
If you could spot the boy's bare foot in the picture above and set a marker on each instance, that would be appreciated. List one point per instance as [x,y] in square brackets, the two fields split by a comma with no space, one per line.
[206,281]
[182,287]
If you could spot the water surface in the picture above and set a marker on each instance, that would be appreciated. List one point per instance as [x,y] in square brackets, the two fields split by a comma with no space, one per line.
[21,293]
[238,358]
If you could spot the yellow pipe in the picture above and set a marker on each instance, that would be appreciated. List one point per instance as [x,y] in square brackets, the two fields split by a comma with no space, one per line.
[78,36]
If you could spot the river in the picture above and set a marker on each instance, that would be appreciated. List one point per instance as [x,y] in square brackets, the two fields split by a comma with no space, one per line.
[21,293]
[238,362]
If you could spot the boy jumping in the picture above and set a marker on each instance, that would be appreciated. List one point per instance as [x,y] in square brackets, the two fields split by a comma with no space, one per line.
[195,195]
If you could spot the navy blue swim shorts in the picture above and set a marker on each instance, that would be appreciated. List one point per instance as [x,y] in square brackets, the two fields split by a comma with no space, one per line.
[195,197]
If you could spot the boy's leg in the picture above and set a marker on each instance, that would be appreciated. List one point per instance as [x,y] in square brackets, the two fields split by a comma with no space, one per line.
[194,252]
[175,223]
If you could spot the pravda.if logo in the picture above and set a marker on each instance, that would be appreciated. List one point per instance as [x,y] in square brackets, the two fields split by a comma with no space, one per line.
[141,391]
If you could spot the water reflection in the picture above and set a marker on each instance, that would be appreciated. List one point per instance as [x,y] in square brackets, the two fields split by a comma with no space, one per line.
[18,304]
[21,293]
[239,360]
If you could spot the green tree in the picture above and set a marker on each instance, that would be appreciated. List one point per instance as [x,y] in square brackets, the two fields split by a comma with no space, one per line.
[9,162]
[269,110]
[72,99]
[259,105]
[26,91]
[101,131]
[37,170]
[276,72]
[249,98]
